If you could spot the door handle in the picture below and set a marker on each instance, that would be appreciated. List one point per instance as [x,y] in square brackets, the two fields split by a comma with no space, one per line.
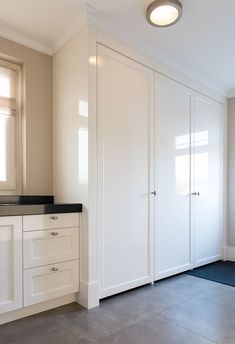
[195,193]
[154,193]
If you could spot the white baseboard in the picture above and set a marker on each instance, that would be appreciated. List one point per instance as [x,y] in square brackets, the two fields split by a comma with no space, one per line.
[171,272]
[229,253]
[38,308]
[88,295]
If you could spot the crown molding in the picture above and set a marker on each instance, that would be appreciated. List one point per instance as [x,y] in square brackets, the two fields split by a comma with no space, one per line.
[69,30]
[14,34]
[231,93]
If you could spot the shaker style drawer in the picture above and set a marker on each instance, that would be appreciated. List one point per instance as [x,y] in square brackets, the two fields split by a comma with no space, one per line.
[50,221]
[49,282]
[50,246]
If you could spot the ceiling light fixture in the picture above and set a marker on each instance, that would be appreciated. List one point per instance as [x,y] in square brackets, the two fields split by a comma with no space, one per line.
[162,13]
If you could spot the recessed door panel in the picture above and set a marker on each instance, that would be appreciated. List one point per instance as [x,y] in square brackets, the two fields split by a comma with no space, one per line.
[207,163]
[173,235]
[126,147]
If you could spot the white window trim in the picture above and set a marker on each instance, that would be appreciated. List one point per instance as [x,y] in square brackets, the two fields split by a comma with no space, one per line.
[18,129]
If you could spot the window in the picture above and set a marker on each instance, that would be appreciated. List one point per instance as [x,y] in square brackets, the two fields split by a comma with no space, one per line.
[9,127]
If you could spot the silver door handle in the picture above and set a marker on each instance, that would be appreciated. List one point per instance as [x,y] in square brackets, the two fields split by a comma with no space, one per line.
[154,193]
[195,193]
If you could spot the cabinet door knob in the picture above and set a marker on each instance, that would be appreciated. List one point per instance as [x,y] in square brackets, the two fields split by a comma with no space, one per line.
[54,269]
[54,217]
[154,193]
[54,233]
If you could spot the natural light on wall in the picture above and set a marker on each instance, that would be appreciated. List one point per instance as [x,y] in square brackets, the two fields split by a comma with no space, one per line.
[83,155]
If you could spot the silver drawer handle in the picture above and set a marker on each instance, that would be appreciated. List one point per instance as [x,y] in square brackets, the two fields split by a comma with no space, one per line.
[54,217]
[54,233]
[54,269]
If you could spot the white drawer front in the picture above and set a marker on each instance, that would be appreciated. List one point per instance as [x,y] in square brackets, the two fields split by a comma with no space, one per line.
[50,221]
[49,282]
[50,246]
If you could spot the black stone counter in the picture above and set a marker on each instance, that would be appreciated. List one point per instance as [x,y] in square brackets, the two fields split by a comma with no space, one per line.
[35,205]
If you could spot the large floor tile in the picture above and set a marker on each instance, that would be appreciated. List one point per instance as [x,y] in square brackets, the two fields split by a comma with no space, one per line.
[207,319]
[112,315]
[49,327]
[154,331]
[223,295]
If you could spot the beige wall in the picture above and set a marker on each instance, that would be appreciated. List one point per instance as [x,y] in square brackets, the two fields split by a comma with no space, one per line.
[231,171]
[37,117]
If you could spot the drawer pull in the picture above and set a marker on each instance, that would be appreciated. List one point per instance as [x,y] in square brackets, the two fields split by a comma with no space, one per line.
[54,217]
[54,233]
[54,269]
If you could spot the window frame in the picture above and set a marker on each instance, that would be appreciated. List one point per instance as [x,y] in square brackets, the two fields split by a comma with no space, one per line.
[16,189]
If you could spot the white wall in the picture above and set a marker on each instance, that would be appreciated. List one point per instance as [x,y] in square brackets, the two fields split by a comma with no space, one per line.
[70,118]
[231,172]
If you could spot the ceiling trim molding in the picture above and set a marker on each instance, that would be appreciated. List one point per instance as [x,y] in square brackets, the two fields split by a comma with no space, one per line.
[13,34]
[68,31]
[231,93]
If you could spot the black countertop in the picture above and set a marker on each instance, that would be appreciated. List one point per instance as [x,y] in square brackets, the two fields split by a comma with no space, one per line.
[35,205]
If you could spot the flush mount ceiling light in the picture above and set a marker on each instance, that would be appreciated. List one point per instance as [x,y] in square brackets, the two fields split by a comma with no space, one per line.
[162,13]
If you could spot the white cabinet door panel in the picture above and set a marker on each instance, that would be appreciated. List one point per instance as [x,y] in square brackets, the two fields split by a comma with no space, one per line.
[173,236]
[10,263]
[50,246]
[126,148]
[51,281]
[207,167]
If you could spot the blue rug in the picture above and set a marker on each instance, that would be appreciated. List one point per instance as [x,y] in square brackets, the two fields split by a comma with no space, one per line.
[221,272]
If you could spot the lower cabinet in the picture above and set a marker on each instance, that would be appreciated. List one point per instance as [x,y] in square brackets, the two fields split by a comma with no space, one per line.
[10,263]
[51,281]
[50,256]
[39,259]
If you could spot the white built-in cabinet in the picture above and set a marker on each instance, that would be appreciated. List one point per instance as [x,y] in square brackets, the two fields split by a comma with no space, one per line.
[160,175]
[126,172]
[10,264]
[189,176]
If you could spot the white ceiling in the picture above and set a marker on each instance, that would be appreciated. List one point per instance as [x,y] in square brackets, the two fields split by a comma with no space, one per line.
[202,42]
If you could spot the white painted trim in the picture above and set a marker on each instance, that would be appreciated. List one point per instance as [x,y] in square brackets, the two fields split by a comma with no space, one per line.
[88,296]
[231,93]
[16,35]
[127,286]
[174,271]
[207,261]
[229,253]
[40,307]
[68,31]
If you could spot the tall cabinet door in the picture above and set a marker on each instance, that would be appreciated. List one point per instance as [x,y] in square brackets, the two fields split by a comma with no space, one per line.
[10,263]
[173,234]
[125,168]
[207,169]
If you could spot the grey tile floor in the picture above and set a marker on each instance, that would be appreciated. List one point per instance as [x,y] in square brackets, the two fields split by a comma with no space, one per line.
[180,310]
